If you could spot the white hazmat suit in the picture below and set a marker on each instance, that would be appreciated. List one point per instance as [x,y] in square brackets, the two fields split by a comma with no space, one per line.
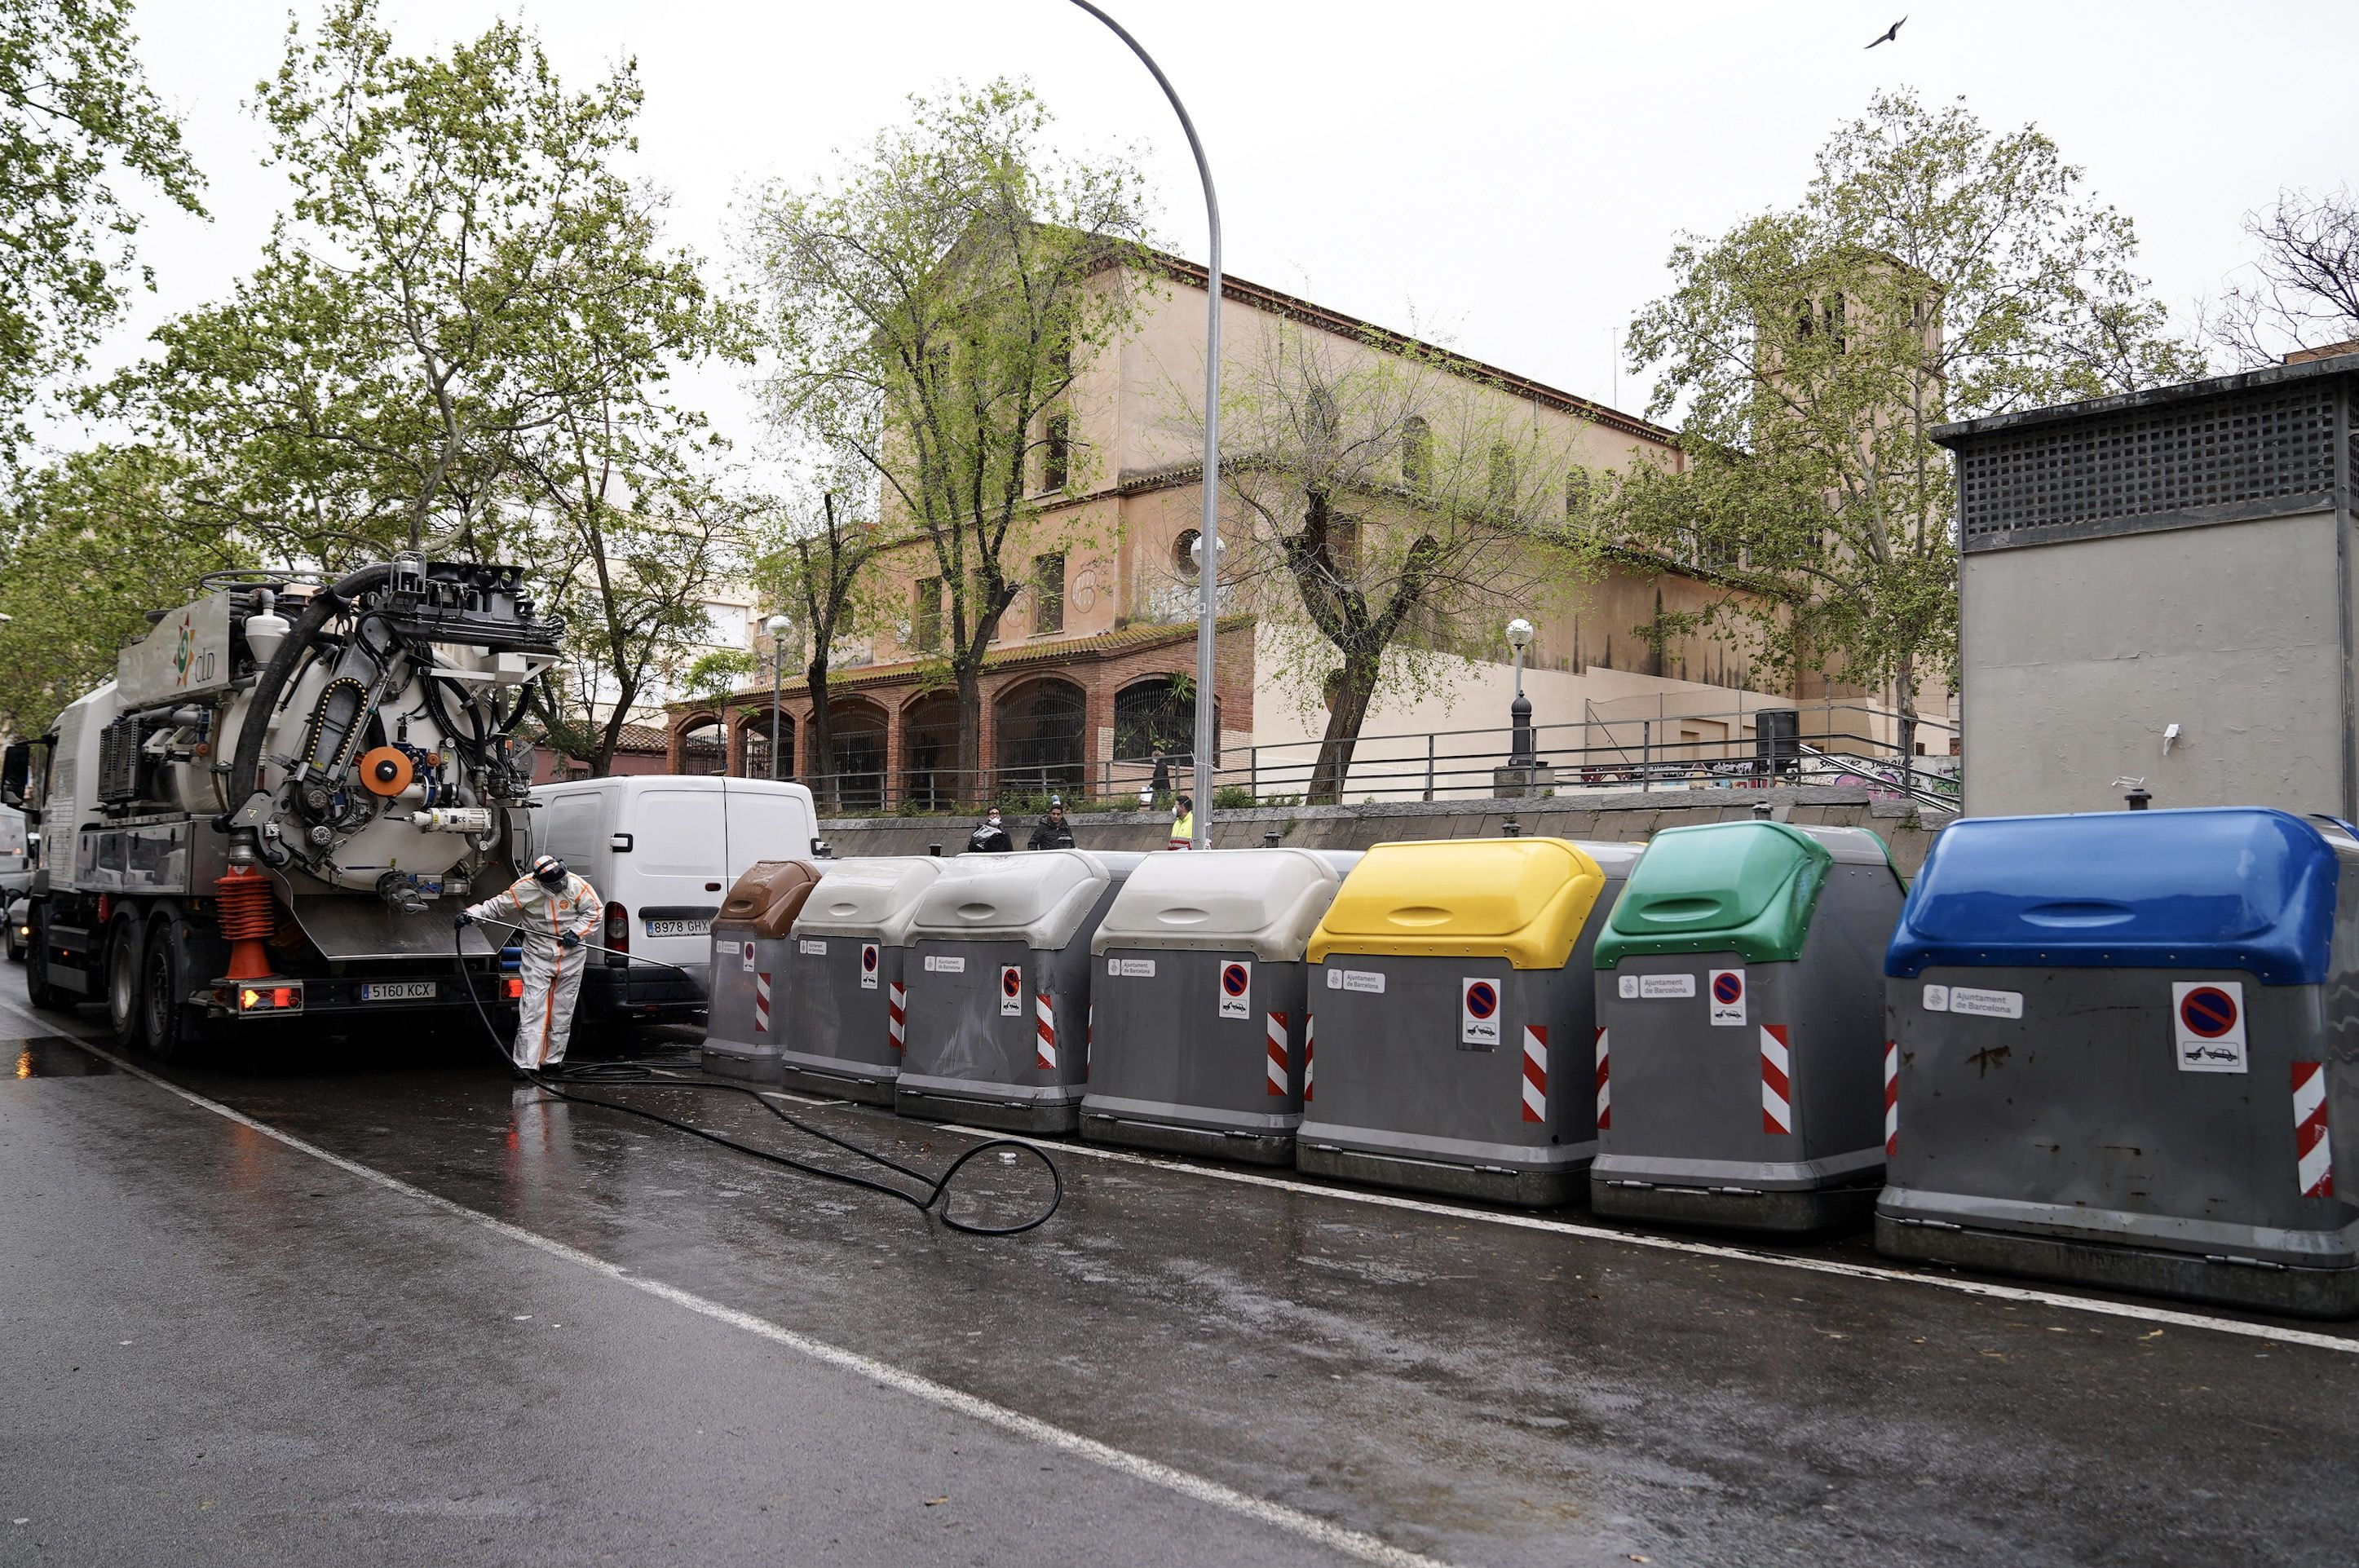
[551,971]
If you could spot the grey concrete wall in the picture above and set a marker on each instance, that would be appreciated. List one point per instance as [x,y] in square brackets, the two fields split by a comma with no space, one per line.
[1631,817]
[2076,655]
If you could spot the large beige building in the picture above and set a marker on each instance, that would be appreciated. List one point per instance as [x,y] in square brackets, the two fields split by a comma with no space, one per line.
[1078,687]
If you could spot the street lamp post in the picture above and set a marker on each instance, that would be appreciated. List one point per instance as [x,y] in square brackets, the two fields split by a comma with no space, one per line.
[1522,750]
[777,627]
[1209,530]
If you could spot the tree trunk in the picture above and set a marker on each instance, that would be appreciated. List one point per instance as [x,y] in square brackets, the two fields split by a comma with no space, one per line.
[1355,690]
[1903,698]
[821,747]
[971,785]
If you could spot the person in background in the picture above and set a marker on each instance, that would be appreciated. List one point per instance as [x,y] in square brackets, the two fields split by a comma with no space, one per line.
[1183,824]
[555,910]
[990,836]
[1052,831]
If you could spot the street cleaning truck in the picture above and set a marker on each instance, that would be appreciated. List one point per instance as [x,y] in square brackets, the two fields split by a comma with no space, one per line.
[272,811]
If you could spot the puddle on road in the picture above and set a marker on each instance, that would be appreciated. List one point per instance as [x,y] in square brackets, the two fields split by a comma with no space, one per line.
[49,1056]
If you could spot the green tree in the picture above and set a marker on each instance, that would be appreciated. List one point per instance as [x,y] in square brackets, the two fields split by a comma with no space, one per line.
[75,113]
[928,310]
[816,566]
[87,548]
[1935,270]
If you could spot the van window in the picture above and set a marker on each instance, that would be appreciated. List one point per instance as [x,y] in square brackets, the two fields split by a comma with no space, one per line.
[677,832]
[569,829]
[765,827]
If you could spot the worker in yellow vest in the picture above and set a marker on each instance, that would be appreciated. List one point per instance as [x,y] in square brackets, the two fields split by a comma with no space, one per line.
[1183,825]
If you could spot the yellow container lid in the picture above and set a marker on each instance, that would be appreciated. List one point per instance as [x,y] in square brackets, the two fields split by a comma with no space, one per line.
[1523,899]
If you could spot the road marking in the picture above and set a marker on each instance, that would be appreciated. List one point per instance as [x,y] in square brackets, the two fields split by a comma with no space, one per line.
[1707,1249]
[1351,1542]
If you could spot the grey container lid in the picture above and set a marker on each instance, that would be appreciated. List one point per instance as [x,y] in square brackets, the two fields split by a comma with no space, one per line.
[1850,846]
[1262,901]
[873,897]
[1038,898]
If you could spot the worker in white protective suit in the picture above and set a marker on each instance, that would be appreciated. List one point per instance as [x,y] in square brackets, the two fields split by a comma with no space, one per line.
[557,911]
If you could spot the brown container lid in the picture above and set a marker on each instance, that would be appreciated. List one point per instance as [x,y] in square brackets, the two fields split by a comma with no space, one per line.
[766,898]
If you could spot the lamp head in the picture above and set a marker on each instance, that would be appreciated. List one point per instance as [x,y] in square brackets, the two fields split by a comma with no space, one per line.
[1519,634]
[777,626]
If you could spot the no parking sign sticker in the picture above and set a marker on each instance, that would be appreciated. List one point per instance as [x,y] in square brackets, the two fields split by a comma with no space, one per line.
[1726,989]
[2208,1015]
[1011,991]
[1235,988]
[1478,1012]
[868,966]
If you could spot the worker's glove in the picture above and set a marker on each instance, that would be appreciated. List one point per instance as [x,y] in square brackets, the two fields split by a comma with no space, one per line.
[461,921]
[567,940]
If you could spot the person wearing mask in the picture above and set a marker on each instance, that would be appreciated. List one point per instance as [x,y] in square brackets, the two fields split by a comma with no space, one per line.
[1183,824]
[556,910]
[990,836]
[1052,831]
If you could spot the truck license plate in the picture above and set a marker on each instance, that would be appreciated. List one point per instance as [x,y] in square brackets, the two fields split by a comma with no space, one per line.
[397,991]
[678,928]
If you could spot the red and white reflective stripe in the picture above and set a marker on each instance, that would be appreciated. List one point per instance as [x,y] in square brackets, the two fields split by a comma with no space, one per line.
[1275,1082]
[1891,1098]
[762,1002]
[896,1015]
[1604,1088]
[1534,1073]
[1776,1112]
[1310,1024]
[2313,1149]
[1044,1047]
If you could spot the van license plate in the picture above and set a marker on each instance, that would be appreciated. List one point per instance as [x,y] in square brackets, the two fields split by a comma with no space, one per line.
[398,991]
[678,928]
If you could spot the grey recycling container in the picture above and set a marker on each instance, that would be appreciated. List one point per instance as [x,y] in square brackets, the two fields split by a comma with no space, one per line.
[846,1000]
[1740,1029]
[998,974]
[1451,1016]
[1199,1002]
[745,1018]
[2121,1056]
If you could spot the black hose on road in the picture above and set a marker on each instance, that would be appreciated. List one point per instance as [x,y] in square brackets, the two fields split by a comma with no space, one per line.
[937,1189]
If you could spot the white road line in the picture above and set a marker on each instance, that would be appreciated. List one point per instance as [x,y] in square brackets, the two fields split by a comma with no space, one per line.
[1351,1542]
[2131,1310]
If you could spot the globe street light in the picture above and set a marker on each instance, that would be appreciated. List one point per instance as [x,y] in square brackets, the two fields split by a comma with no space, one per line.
[1522,752]
[777,627]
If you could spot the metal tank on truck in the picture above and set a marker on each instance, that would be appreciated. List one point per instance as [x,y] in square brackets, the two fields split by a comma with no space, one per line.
[199,870]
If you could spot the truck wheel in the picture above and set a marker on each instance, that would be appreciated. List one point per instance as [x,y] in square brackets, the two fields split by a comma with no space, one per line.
[175,1031]
[38,987]
[124,1015]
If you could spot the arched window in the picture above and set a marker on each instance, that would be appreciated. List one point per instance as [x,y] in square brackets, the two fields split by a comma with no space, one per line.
[1183,553]
[929,778]
[1417,454]
[1041,728]
[1155,718]
[856,739]
[754,748]
[705,747]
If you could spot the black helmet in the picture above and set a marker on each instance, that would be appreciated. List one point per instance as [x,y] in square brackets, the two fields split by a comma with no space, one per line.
[549,871]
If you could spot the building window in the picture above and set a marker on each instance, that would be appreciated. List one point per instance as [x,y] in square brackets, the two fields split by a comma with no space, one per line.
[1578,489]
[1500,495]
[1835,321]
[1803,320]
[1057,454]
[1154,721]
[1183,553]
[1048,594]
[1417,454]
[1041,730]
[1343,548]
[926,615]
[704,749]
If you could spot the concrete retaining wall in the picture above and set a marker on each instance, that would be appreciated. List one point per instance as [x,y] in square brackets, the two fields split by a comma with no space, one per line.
[1631,817]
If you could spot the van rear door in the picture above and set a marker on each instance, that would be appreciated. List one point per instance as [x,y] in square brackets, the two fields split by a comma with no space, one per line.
[766,824]
[674,874]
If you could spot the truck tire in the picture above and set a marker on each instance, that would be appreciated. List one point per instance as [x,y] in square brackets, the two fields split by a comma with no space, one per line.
[125,1016]
[38,991]
[176,1031]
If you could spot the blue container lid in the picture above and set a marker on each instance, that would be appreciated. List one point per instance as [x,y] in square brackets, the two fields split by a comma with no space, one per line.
[2234,888]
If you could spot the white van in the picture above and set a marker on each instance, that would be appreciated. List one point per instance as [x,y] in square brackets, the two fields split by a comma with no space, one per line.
[662,850]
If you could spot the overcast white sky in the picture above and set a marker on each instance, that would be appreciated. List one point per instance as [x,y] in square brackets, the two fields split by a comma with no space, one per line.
[1508,175]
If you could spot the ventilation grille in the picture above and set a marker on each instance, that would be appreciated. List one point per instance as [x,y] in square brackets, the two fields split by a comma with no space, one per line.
[2128,471]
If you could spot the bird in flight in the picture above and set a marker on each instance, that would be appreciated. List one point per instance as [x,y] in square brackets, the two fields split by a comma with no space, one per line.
[1891,34]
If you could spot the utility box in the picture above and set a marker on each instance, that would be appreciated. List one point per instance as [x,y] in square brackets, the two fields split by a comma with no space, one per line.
[846,996]
[1200,1002]
[1452,1010]
[746,1023]
[2156,589]
[1740,1029]
[2122,1056]
[998,970]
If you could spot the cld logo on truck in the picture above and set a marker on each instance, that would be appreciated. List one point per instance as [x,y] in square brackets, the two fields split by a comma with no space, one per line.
[1478,1013]
[1011,991]
[868,966]
[2208,1017]
[1236,981]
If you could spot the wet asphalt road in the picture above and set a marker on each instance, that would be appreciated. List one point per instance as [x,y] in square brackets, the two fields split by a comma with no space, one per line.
[321,1368]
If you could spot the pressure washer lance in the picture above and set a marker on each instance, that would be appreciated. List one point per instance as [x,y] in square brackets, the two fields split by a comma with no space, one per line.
[937,1189]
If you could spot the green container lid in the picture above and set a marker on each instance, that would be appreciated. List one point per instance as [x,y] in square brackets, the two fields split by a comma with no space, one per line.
[1741,888]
